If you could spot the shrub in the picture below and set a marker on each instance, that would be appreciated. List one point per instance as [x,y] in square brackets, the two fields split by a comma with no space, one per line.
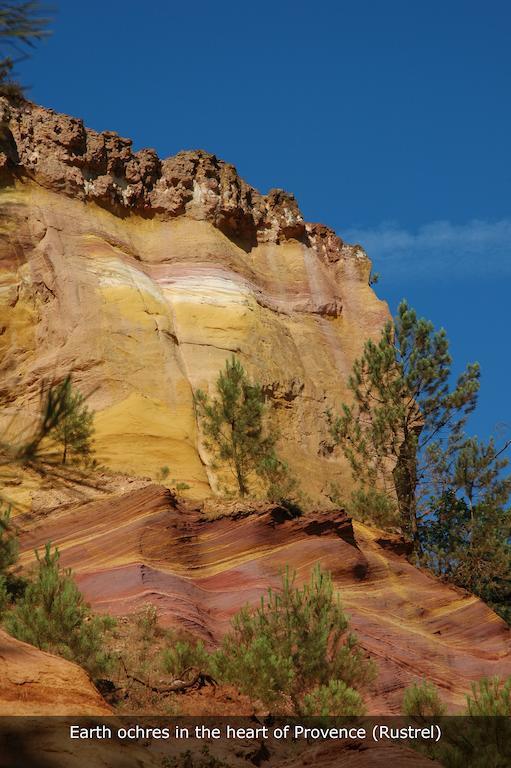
[422,700]
[336,698]
[11,585]
[9,546]
[480,739]
[162,477]
[4,595]
[147,623]
[183,655]
[373,506]
[296,641]
[53,616]
[490,696]
[282,486]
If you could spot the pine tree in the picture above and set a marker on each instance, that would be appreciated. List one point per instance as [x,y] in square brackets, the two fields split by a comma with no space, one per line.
[403,405]
[491,697]
[12,585]
[466,536]
[294,646]
[8,555]
[63,428]
[53,616]
[9,547]
[422,700]
[74,429]
[21,26]
[233,423]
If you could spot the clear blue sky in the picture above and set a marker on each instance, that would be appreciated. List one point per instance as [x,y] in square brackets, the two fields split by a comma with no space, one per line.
[390,121]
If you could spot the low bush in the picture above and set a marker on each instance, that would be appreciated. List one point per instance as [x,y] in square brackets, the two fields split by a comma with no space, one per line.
[479,739]
[12,586]
[147,623]
[53,616]
[183,655]
[373,506]
[334,699]
[295,642]
[422,700]
[490,696]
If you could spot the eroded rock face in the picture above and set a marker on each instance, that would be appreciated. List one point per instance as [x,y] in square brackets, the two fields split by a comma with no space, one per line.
[143,276]
[144,546]
[36,683]
[62,155]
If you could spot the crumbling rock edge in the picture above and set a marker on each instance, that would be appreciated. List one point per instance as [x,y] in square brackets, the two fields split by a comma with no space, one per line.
[61,154]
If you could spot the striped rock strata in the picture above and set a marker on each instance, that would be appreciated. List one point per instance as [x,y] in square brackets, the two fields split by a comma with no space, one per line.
[144,547]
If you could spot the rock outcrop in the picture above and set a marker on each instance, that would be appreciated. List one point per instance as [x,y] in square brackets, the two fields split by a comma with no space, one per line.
[144,546]
[143,276]
[36,683]
[61,155]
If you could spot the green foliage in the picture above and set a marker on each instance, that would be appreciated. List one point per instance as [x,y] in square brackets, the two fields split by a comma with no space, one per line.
[73,430]
[53,616]
[9,546]
[490,697]
[233,423]
[183,655]
[162,474]
[147,623]
[11,585]
[422,700]
[404,440]
[21,25]
[484,738]
[367,504]
[479,739]
[282,486]
[175,485]
[472,470]
[372,506]
[63,415]
[470,549]
[4,595]
[402,405]
[32,451]
[295,642]
[466,536]
[334,699]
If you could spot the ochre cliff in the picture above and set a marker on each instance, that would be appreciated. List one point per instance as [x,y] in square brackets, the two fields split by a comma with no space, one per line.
[142,276]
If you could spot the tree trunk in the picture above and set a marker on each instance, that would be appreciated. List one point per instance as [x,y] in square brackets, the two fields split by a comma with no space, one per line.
[405,483]
[241,481]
